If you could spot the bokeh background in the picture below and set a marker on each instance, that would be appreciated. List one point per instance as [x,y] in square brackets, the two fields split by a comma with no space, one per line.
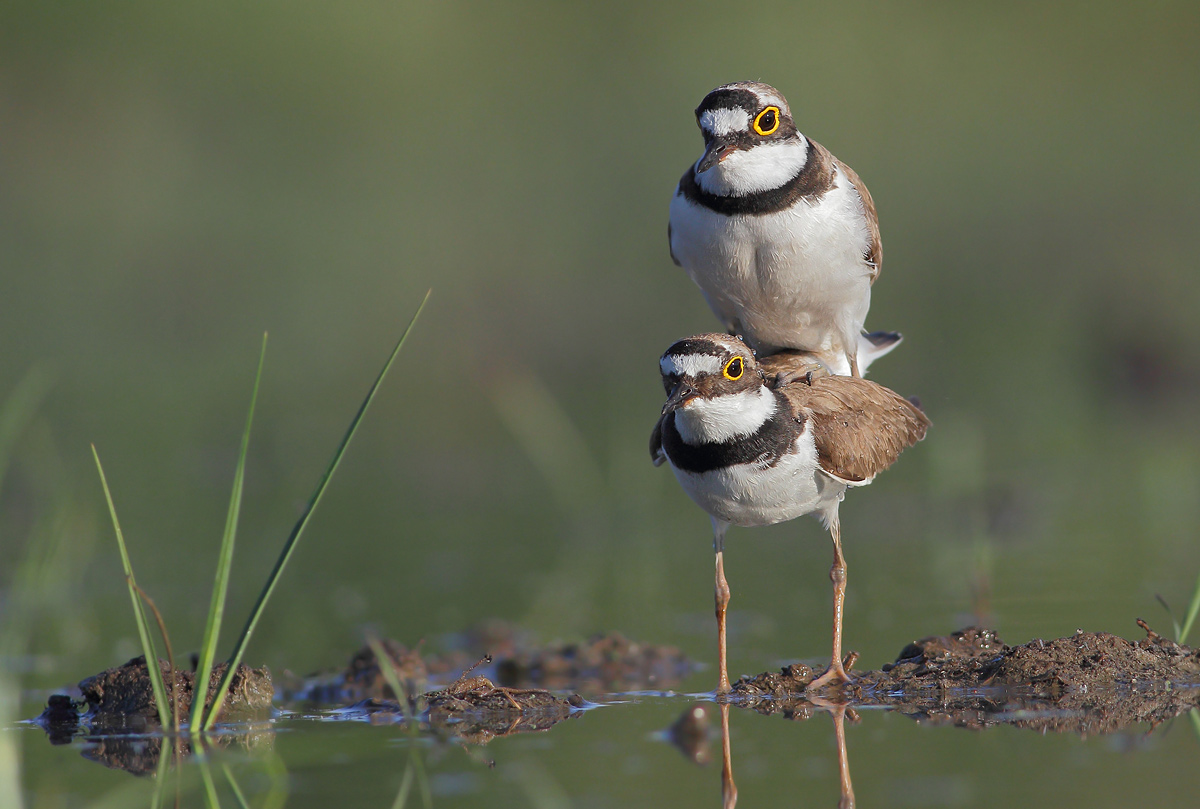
[176,179]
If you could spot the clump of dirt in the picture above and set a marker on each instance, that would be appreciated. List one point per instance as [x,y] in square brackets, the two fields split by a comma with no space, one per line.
[1086,660]
[362,679]
[122,698]
[602,664]
[476,710]
[479,694]
[790,681]
[1089,682]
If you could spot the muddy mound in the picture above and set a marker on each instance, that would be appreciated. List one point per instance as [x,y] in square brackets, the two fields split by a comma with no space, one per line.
[123,698]
[1085,660]
[1089,682]
[608,662]
[601,664]
[472,709]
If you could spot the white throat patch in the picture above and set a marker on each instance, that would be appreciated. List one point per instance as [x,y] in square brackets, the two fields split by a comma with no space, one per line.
[735,415]
[751,171]
[724,121]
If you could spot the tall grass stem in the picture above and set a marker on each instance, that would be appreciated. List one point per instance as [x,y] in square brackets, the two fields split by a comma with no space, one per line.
[139,613]
[1193,609]
[289,546]
[216,609]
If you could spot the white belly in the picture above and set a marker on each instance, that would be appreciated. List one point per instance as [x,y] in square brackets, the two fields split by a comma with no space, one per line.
[753,494]
[794,279]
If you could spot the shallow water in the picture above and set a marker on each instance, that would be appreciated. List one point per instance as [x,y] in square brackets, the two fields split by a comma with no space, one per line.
[620,751]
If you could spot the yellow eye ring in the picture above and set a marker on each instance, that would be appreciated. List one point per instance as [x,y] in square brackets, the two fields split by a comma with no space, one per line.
[734,369]
[771,114]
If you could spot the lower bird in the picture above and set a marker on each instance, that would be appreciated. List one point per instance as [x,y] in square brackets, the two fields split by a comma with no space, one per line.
[760,442]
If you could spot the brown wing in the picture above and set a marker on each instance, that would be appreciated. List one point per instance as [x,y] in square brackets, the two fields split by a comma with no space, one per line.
[874,253]
[656,451]
[860,427]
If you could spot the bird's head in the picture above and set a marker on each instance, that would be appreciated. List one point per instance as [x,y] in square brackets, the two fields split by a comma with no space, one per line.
[708,367]
[748,131]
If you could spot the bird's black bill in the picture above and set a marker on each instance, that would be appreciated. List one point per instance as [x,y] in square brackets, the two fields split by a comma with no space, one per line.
[680,394]
[716,151]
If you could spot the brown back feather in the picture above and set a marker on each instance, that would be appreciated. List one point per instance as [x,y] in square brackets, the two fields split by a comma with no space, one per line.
[860,427]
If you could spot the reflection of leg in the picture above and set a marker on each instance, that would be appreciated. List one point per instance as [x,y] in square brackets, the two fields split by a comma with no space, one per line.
[728,788]
[836,672]
[721,599]
[838,713]
[846,801]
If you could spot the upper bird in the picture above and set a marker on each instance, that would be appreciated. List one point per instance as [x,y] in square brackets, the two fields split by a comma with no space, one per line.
[781,236]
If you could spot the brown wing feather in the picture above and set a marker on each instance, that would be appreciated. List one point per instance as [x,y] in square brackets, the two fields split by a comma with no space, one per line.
[874,252]
[860,427]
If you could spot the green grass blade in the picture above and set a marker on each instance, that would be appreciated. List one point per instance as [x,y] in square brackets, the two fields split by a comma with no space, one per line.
[422,778]
[1175,624]
[1193,608]
[290,544]
[19,409]
[10,746]
[275,769]
[388,669]
[139,613]
[233,784]
[405,787]
[210,788]
[160,779]
[216,609]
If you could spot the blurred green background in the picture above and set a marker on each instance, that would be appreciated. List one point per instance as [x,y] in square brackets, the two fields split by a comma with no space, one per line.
[176,179]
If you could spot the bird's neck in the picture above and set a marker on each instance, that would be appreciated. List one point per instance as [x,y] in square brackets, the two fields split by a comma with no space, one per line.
[726,418]
[760,168]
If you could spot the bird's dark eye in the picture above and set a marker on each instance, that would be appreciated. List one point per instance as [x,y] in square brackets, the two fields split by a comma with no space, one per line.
[669,382]
[767,121]
[734,369]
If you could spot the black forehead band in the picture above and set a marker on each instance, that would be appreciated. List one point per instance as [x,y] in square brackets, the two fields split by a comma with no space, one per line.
[731,99]
[693,346]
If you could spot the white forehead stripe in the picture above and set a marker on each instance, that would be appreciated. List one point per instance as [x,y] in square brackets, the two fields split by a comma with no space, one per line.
[766,98]
[689,364]
[724,121]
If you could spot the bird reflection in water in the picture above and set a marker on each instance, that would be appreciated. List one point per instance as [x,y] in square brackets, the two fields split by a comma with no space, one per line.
[690,735]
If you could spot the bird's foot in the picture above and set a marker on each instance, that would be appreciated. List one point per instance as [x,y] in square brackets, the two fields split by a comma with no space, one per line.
[836,674]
